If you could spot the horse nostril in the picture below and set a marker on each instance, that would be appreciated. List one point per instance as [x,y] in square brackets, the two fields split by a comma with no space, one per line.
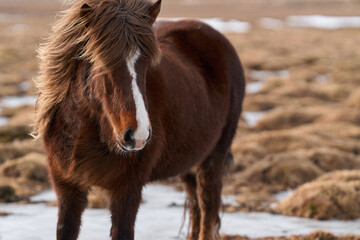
[129,137]
[150,132]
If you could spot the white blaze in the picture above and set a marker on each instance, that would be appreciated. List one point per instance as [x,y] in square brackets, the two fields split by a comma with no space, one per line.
[142,131]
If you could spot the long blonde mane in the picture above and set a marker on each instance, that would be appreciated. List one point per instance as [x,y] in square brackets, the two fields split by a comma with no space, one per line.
[105,33]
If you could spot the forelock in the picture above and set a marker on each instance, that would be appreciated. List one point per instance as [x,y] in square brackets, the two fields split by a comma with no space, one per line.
[116,29]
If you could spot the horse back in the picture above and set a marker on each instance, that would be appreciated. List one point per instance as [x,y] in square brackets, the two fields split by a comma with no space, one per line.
[208,49]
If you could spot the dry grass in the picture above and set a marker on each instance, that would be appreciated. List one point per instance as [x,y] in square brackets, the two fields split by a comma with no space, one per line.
[3,214]
[7,194]
[286,169]
[18,149]
[289,117]
[342,176]
[265,161]
[335,195]
[19,125]
[23,177]
[330,159]
[354,99]
[98,198]
[31,166]
[343,114]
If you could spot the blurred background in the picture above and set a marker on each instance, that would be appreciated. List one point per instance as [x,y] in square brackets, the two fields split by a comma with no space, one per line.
[296,167]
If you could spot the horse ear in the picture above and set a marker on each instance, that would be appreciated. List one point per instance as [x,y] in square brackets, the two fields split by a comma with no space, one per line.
[154,11]
[85,10]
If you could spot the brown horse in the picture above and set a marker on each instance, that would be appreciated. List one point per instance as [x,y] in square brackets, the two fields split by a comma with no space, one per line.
[109,80]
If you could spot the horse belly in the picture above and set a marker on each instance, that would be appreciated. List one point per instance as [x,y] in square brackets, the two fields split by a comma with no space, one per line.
[191,135]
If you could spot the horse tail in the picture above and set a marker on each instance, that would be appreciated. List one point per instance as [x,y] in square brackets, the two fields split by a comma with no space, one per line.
[186,210]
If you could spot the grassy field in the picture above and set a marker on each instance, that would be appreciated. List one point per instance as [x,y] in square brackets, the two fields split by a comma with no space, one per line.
[308,139]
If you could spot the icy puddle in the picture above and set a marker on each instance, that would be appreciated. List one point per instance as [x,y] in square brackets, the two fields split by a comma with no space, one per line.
[160,217]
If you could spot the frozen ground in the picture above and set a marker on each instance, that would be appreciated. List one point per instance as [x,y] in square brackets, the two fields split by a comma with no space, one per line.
[159,218]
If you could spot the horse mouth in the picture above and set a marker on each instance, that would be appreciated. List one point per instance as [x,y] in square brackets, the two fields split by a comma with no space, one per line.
[129,148]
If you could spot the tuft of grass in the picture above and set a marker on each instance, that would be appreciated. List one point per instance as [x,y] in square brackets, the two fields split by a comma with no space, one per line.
[334,195]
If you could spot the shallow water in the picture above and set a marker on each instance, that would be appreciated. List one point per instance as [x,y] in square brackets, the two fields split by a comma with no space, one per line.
[160,217]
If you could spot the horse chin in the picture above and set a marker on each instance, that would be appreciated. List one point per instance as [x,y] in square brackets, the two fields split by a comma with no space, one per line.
[118,147]
[127,149]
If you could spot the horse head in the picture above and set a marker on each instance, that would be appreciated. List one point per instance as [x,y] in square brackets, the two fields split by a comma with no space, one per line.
[117,53]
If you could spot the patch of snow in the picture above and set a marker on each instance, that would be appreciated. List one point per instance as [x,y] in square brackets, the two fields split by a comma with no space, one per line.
[258,225]
[312,21]
[254,87]
[323,22]
[230,200]
[17,28]
[271,23]
[224,26]
[231,26]
[24,86]
[283,194]
[3,121]
[262,75]
[322,78]
[251,118]
[16,101]
[9,16]
[46,196]
[157,219]
[279,196]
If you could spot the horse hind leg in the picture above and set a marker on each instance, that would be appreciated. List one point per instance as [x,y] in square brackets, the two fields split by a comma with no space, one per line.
[209,184]
[189,181]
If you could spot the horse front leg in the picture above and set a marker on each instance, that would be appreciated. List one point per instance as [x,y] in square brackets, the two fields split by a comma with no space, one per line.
[209,177]
[72,201]
[125,203]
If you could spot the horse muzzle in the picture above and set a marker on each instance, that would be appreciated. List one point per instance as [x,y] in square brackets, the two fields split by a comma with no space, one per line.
[131,144]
